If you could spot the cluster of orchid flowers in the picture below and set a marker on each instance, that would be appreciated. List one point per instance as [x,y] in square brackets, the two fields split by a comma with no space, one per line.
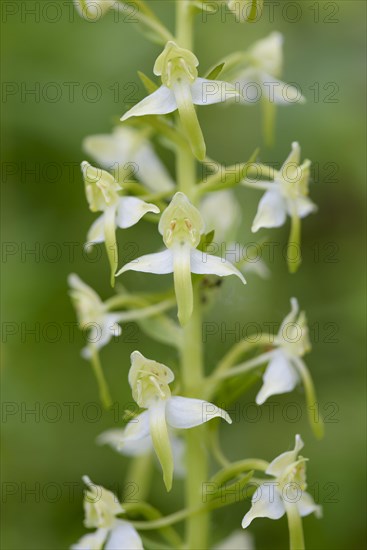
[130,183]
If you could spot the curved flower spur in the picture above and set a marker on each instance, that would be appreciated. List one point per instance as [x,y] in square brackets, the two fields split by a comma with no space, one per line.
[181,89]
[181,226]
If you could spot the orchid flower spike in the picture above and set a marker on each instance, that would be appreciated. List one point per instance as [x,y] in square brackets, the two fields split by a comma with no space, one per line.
[182,89]
[181,226]
[287,492]
[102,192]
[246,10]
[101,508]
[286,195]
[128,153]
[149,382]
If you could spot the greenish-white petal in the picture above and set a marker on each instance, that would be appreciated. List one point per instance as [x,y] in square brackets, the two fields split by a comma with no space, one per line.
[160,102]
[110,240]
[207,92]
[159,263]
[266,503]
[206,264]
[96,233]
[185,412]
[189,119]
[280,377]
[282,462]
[271,211]
[130,210]
[123,536]
[304,206]
[160,439]
[182,281]
[306,506]
[91,541]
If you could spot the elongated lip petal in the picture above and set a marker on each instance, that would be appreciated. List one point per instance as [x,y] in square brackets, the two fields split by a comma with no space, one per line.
[182,281]
[161,442]
[189,119]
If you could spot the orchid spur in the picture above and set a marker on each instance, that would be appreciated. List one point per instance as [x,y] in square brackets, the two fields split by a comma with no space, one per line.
[182,89]
[181,226]
[102,192]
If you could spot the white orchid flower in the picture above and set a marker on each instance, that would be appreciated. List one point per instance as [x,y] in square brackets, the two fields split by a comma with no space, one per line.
[101,508]
[181,226]
[93,315]
[149,382]
[102,193]
[273,499]
[246,10]
[287,194]
[92,10]
[259,76]
[127,151]
[238,540]
[292,342]
[182,89]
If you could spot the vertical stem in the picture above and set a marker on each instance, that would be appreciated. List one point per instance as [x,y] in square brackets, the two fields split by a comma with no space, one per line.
[186,171]
[192,368]
[196,459]
[104,392]
[184,24]
[296,539]
[140,474]
[294,244]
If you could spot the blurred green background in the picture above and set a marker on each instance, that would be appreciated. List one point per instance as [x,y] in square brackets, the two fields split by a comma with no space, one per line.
[44,210]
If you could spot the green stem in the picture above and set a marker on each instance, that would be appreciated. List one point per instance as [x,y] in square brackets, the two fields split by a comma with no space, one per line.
[139,473]
[197,526]
[186,172]
[296,539]
[196,458]
[236,468]
[294,257]
[243,367]
[104,392]
[184,27]
[147,17]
